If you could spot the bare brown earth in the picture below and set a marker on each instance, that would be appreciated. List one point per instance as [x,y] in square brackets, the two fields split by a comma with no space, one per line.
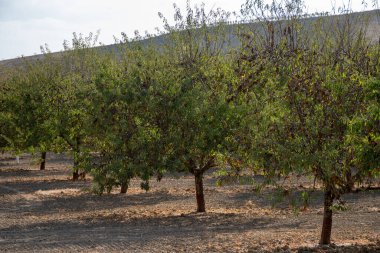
[43,211]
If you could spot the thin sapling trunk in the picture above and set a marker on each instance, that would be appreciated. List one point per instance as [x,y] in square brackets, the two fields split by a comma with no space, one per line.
[43,161]
[75,169]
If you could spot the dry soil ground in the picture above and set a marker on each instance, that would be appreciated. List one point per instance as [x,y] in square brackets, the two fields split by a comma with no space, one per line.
[43,211]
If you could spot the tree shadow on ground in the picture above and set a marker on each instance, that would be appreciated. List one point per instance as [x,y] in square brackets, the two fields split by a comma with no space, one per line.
[31,186]
[83,202]
[106,233]
[23,174]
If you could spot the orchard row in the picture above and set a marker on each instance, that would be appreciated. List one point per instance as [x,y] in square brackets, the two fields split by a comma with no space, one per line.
[284,95]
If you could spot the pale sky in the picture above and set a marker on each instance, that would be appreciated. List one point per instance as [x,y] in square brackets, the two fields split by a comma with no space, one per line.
[27,24]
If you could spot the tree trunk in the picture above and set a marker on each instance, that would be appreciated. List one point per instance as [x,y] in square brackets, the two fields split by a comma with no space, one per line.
[350,182]
[43,161]
[201,206]
[75,169]
[124,188]
[327,219]
[76,150]
[75,175]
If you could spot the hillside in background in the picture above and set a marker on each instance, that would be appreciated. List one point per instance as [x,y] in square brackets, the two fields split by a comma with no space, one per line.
[368,19]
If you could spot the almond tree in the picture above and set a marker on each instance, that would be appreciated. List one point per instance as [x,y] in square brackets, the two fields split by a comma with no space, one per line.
[199,118]
[72,95]
[26,106]
[311,87]
[6,129]
[124,130]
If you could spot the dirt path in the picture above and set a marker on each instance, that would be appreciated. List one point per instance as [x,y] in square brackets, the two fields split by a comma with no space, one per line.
[42,211]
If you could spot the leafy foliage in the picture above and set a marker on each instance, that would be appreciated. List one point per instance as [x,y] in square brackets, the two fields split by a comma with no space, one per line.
[296,97]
